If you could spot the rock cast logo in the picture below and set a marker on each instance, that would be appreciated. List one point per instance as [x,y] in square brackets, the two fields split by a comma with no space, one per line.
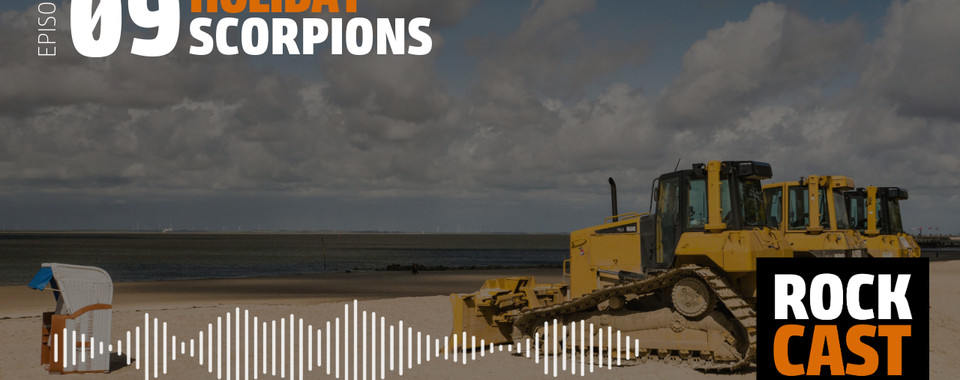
[214,25]
[843,317]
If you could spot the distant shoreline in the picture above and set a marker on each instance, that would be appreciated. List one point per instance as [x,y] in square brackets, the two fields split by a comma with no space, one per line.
[392,268]
[153,256]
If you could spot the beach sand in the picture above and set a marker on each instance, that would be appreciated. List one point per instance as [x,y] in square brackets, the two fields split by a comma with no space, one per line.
[420,301]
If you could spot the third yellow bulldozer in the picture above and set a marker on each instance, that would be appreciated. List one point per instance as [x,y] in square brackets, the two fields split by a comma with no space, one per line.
[875,212]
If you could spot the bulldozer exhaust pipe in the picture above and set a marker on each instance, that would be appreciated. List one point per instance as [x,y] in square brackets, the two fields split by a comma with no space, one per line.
[613,197]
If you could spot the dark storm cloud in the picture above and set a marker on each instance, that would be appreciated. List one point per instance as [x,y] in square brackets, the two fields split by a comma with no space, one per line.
[381,125]
[915,64]
[405,88]
[123,80]
[509,132]
[549,55]
[530,123]
[442,14]
[775,52]
[539,127]
[775,86]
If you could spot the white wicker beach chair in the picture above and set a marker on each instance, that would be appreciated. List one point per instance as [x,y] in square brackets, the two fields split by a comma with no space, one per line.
[77,332]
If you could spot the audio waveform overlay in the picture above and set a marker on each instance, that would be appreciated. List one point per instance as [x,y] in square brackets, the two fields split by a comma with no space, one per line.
[358,345]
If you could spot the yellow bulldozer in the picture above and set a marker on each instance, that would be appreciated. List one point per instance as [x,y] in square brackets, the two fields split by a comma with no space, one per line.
[875,213]
[812,214]
[680,279]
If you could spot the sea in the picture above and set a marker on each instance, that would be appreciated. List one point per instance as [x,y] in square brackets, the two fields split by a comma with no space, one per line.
[940,253]
[157,256]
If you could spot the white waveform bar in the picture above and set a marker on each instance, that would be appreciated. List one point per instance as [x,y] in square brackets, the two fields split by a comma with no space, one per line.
[352,345]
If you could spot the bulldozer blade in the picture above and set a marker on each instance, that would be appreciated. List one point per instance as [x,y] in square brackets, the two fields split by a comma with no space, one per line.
[488,314]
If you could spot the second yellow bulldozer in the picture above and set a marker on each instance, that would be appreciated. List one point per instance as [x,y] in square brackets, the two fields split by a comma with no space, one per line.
[812,214]
[681,279]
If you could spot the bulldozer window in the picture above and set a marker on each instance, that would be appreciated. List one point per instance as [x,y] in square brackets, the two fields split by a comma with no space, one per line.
[857,212]
[668,208]
[725,206]
[697,208]
[799,208]
[774,203]
[893,208]
[824,213]
[751,201]
[799,211]
[881,216]
[843,221]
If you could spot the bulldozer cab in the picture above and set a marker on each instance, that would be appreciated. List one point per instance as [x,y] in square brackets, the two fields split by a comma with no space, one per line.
[813,204]
[875,213]
[710,198]
[812,213]
[667,229]
[876,210]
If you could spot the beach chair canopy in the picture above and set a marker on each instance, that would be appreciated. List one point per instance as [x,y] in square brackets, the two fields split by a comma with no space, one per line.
[78,286]
[42,278]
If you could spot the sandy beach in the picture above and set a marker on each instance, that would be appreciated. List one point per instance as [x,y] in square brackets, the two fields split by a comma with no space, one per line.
[420,301]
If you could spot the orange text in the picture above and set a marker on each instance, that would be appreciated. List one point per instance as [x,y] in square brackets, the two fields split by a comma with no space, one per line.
[272,6]
[827,336]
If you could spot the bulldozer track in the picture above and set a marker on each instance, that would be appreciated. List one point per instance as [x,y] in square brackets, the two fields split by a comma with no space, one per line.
[742,313]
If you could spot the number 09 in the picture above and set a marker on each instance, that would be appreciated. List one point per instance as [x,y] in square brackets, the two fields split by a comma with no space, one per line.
[109,15]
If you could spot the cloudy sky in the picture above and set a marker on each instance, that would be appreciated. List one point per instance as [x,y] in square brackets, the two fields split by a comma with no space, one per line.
[512,123]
